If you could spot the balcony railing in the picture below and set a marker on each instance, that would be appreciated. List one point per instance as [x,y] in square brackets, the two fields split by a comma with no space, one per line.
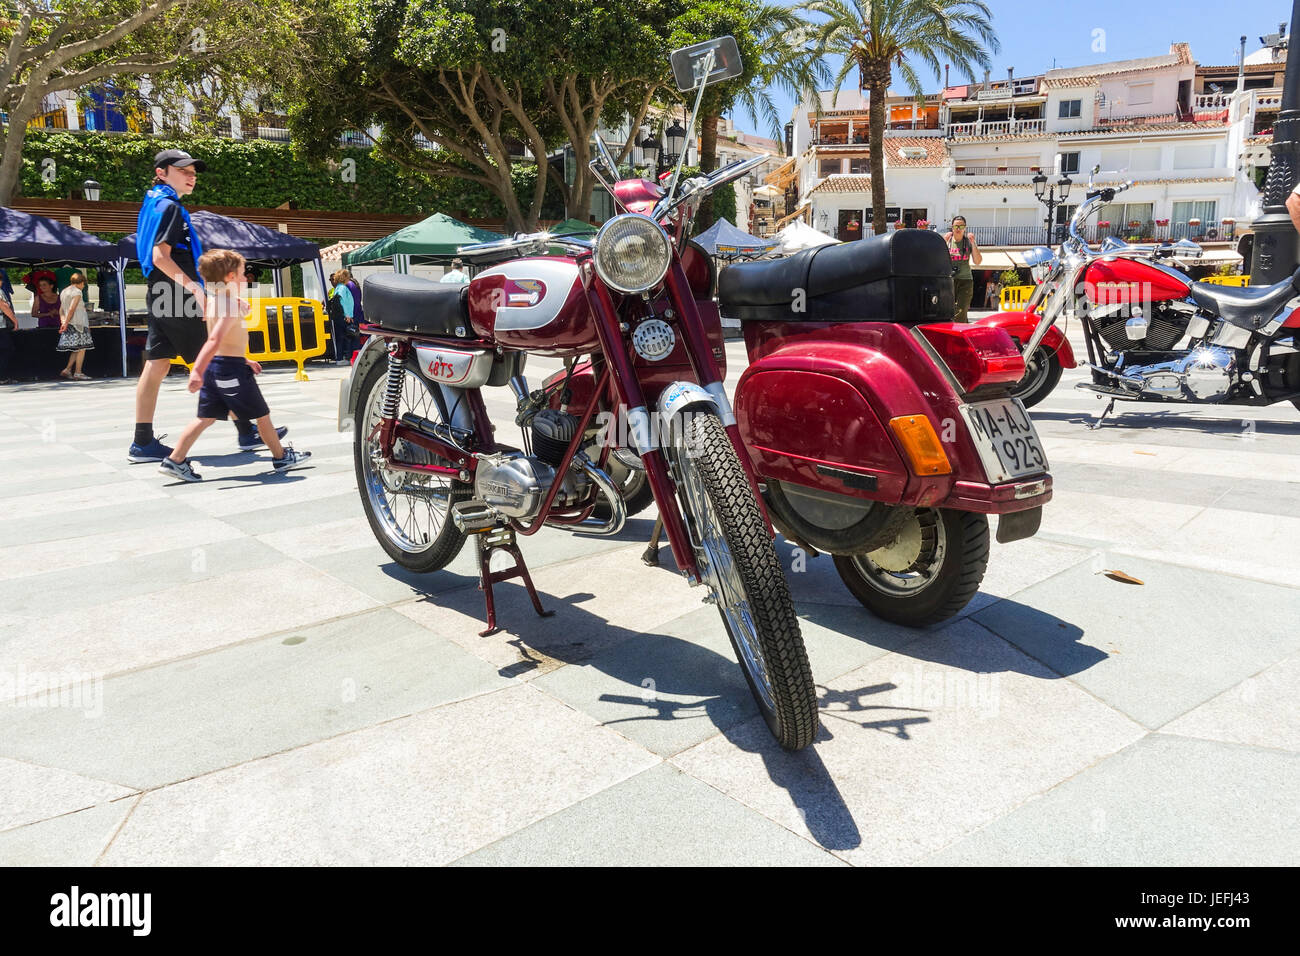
[997,128]
[1267,100]
[1211,101]
[1149,231]
[1138,119]
[830,139]
[997,170]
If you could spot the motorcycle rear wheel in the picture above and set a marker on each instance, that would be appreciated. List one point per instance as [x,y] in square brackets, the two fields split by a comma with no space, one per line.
[739,565]
[409,514]
[928,573]
[1042,374]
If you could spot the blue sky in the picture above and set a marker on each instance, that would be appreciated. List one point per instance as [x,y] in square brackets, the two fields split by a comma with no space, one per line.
[1038,34]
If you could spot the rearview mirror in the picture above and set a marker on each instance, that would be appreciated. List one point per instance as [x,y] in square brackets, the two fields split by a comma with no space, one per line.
[689,63]
[1037,256]
[603,162]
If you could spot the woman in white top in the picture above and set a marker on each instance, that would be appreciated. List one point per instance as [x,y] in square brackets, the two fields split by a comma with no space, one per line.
[74,326]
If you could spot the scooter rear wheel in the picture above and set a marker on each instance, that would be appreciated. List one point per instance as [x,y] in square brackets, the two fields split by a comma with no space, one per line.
[928,573]
[738,563]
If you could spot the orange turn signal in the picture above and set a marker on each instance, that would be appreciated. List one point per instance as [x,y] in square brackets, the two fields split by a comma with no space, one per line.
[919,440]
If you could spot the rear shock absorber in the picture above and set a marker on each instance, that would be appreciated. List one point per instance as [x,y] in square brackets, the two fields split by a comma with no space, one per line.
[396,376]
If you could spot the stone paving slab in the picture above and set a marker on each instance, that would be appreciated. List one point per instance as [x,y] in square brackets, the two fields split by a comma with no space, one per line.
[30,792]
[138,630]
[918,748]
[661,817]
[74,839]
[1156,650]
[1261,711]
[421,790]
[168,723]
[1164,801]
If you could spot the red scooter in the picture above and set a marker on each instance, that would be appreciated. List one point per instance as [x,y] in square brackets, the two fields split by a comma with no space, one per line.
[431,471]
[884,435]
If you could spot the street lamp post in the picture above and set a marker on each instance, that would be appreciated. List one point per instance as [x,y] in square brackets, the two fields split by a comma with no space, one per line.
[90,189]
[1275,236]
[1047,196]
[676,136]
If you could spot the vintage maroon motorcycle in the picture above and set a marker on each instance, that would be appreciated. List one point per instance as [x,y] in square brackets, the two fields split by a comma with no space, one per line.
[431,471]
[883,434]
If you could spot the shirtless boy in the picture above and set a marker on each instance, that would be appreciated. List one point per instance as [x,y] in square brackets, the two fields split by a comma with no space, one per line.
[222,376]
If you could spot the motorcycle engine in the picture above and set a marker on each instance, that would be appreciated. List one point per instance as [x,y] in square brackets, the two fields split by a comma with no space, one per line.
[516,484]
[1201,375]
[1167,324]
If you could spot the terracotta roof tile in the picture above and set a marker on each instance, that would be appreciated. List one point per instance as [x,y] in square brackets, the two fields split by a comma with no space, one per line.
[840,183]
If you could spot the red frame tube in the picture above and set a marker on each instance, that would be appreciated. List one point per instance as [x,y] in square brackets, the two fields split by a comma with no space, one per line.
[630,394]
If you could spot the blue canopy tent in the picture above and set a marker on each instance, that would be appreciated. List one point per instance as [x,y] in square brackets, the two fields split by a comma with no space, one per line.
[28,240]
[726,241]
[258,245]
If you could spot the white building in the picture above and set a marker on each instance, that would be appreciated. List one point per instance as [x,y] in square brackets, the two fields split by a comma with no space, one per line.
[974,150]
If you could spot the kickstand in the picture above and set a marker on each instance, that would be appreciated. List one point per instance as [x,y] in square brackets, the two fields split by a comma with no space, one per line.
[1102,417]
[502,539]
[651,555]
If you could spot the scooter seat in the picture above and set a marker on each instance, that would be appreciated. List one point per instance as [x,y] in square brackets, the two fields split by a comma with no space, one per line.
[406,303]
[1247,307]
[903,276]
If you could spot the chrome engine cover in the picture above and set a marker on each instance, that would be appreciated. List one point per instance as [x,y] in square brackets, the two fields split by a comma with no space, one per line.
[1203,375]
[516,484]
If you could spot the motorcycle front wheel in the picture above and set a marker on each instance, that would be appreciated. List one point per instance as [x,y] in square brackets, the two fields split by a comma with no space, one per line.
[1042,374]
[927,573]
[738,563]
[410,514]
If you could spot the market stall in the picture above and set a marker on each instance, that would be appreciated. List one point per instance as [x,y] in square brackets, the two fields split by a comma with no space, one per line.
[432,240]
[29,242]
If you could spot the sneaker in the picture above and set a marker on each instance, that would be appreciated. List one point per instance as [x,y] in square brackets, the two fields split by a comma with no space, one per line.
[154,451]
[291,459]
[182,470]
[254,441]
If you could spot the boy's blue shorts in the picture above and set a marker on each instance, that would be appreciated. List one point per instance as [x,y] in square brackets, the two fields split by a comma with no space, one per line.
[229,385]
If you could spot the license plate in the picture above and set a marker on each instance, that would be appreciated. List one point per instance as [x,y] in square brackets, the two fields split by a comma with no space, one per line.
[1004,435]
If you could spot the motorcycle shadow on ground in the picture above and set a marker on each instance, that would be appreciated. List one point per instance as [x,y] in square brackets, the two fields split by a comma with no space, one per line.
[651,676]
[1142,419]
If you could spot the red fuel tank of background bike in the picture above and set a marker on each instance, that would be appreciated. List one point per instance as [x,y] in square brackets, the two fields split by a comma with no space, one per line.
[1130,280]
[535,303]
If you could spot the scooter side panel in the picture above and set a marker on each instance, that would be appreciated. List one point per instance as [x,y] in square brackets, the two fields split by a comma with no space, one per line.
[816,429]
[1020,326]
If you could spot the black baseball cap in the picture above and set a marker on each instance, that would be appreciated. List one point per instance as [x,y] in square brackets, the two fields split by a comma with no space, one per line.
[178,157]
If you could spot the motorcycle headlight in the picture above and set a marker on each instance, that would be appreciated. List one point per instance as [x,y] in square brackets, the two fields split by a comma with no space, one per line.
[632,253]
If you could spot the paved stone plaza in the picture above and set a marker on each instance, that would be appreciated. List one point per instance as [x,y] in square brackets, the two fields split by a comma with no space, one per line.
[256,683]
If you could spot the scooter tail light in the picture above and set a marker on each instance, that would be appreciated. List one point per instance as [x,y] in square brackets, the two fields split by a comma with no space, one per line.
[976,354]
[921,443]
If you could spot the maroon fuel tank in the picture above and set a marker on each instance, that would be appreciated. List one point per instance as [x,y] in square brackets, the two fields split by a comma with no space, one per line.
[536,304]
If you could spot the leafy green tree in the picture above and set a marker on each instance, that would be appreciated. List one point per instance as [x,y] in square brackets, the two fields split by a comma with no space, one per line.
[50,46]
[775,49]
[876,36]
[472,89]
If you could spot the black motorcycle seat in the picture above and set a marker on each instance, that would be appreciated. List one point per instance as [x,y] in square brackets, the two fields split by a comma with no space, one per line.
[407,303]
[1246,306]
[868,279]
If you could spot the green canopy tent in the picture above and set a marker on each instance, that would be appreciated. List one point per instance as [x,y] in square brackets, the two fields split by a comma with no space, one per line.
[574,227]
[432,240]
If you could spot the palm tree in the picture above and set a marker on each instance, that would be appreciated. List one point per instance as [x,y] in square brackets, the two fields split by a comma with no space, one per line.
[787,61]
[875,36]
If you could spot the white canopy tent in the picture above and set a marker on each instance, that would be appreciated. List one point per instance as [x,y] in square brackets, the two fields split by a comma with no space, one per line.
[798,235]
